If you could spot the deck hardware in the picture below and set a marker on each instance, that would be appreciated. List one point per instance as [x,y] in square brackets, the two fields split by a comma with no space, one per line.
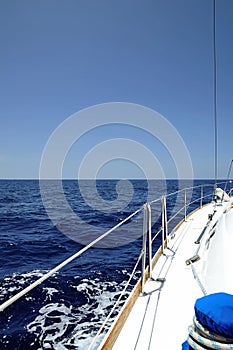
[161,279]
[149,239]
[201,197]
[214,224]
[169,252]
[185,205]
[192,260]
[201,235]
[146,241]
[211,235]
[172,235]
[203,231]
[164,222]
[144,246]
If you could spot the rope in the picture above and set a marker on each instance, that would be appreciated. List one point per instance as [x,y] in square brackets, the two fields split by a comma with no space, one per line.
[202,338]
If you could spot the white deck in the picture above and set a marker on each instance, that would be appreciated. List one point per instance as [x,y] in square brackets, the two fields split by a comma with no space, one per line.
[160,319]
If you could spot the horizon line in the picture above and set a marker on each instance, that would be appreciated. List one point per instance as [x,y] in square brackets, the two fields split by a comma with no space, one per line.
[111,178]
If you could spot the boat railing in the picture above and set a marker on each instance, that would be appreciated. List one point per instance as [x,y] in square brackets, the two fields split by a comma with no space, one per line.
[172,211]
[162,232]
[64,263]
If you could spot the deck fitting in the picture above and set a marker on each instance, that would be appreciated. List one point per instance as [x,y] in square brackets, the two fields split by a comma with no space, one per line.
[192,260]
[161,279]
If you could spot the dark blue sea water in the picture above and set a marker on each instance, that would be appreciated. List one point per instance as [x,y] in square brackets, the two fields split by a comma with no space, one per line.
[65,311]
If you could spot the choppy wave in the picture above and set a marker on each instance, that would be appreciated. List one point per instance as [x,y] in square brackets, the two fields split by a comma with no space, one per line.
[68,318]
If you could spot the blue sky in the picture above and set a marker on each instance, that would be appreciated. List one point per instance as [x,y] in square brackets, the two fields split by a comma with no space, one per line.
[58,57]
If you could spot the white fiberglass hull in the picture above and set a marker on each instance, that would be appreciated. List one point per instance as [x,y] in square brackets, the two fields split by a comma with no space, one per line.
[160,317]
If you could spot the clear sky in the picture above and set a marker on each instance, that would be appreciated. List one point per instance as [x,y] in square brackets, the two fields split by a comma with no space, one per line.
[60,56]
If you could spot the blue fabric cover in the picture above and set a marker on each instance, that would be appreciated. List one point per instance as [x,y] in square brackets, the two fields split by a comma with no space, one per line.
[185,346]
[215,311]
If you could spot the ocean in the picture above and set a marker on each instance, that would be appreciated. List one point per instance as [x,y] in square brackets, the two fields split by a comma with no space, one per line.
[65,311]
